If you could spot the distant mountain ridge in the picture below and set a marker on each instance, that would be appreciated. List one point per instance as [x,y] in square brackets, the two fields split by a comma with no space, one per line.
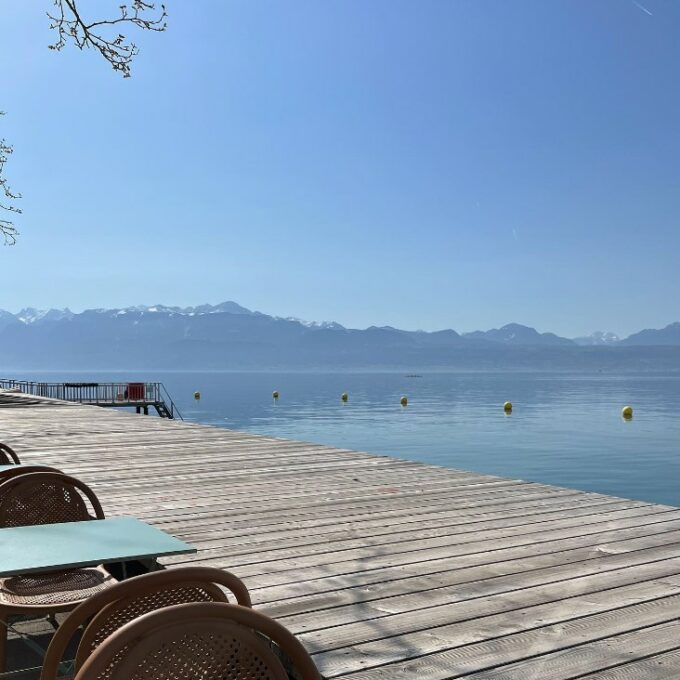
[670,335]
[228,335]
[516,334]
[512,333]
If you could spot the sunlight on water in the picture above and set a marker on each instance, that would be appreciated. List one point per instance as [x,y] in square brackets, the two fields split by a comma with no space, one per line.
[564,429]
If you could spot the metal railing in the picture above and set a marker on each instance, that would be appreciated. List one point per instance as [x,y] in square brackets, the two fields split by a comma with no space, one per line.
[167,400]
[100,394]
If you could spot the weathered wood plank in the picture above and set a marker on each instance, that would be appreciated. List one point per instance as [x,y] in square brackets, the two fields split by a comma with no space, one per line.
[476,646]
[656,667]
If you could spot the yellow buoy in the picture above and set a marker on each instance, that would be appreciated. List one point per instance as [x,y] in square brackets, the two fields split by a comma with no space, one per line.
[403,401]
[197,395]
[507,407]
[344,396]
[275,394]
[627,412]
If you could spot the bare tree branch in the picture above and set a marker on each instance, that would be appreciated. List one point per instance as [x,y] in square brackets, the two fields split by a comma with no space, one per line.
[104,34]
[8,231]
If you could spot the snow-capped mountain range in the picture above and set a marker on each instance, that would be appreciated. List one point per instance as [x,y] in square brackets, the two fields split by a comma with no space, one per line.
[31,315]
[229,336]
[511,334]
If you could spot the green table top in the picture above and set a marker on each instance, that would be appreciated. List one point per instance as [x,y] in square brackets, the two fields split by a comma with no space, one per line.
[51,547]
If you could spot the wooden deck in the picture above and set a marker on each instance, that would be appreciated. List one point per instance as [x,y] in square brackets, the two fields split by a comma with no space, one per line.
[387,568]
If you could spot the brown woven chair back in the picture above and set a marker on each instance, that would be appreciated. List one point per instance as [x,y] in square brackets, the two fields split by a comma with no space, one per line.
[211,641]
[109,610]
[17,470]
[8,455]
[46,498]
[117,614]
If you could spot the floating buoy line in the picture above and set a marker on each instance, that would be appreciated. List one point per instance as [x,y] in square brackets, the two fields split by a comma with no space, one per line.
[626,411]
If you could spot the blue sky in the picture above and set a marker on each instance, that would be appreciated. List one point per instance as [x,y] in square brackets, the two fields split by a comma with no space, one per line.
[461,163]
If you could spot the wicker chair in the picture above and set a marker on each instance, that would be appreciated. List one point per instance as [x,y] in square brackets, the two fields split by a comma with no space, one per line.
[17,470]
[112,608]
[213,641]
[46,498]
[8,455]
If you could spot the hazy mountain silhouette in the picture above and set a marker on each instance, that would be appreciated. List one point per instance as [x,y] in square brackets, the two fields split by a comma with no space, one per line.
[229,336]
[516,334]
[670,335]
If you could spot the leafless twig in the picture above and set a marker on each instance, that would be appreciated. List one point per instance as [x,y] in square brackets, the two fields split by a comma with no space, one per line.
[8,231]
[104,34]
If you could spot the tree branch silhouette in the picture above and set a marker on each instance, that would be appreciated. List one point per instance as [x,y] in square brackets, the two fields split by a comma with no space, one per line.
[8,231]
[103,35]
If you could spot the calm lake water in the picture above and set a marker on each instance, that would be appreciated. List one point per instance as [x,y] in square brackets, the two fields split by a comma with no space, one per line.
[564,429]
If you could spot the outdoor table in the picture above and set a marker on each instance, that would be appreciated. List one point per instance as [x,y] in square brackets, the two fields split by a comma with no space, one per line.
[70,545]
